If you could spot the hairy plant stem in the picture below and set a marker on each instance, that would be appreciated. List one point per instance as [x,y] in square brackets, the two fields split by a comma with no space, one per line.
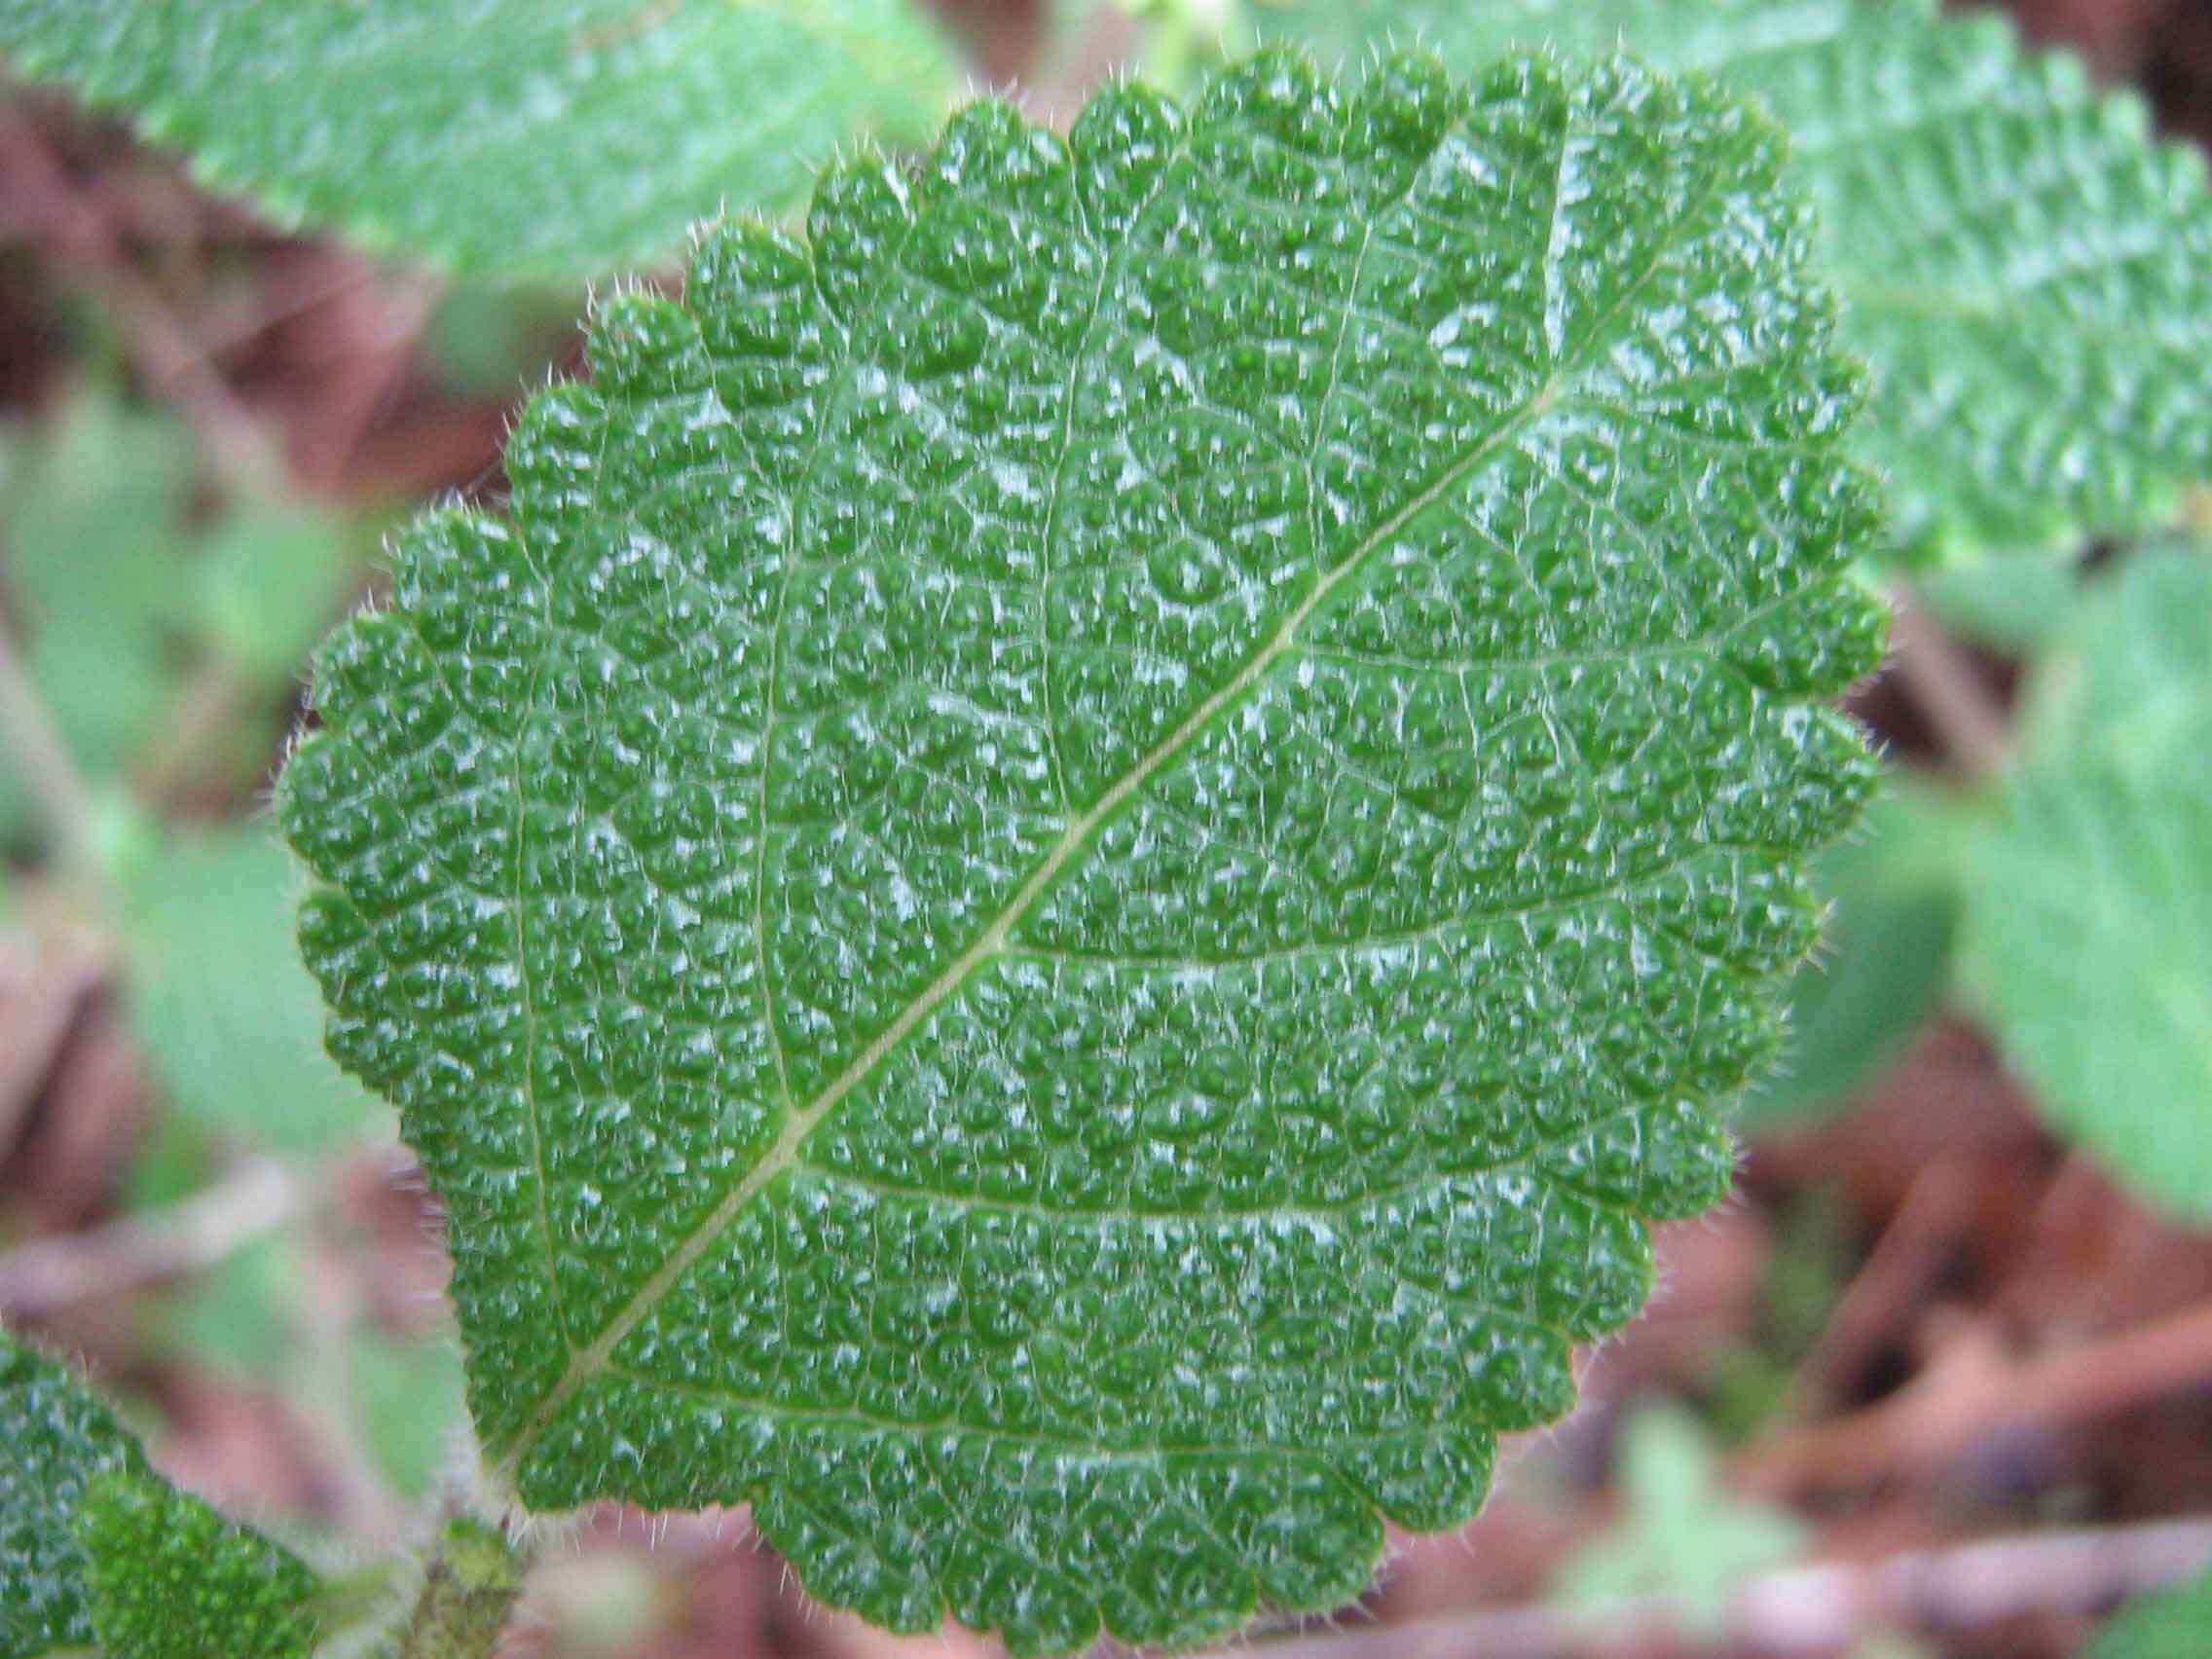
[470,1587]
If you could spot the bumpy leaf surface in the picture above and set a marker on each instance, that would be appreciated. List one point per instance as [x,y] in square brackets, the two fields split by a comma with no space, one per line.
[171,1579]
[56,1440]
[97,1549]
[505,137]
[2029,276]
[2089,932]
[1059,899]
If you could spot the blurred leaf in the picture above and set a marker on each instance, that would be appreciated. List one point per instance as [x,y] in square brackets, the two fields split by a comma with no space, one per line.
[2176,1625]
[1682,1535]
[271,580]
[2013,605]
[240,1318]
[1886,950]
[407,1395]
[231,1022]
[487,340]
[169,1578]
[502,137]
[90,535]
[2089,926]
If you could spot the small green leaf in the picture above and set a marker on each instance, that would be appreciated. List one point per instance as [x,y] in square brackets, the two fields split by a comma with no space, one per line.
[2088,927]
[2175,1625]
[1060,900]
[499,137]
[169,1578]
[1886,961]
[1683,1535]
[218,999]
[57,1439]
[2028,274]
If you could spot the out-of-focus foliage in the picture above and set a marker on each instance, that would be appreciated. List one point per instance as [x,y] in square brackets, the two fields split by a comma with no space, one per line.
[2016,607]
[2176,1625]
[1682,1535]
[130,603]
[501,137]
[2089,928]
[230,1019]
[1886,955]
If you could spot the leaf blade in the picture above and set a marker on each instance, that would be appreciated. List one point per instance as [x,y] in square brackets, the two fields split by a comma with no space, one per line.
[886,608]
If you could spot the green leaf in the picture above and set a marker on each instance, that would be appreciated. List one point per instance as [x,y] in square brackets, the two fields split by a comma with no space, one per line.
[1683,1536]
[2028,274]
[271,580]
[2171,1626]
[501,137]
[2088,927]
[2013,605]
[96,1548]
[1058,901]
[90,536]
[1887,960]
[220,1000]
[169,1578]
[56,1438]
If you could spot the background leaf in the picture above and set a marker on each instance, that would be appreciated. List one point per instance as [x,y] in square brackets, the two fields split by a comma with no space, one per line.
[501,137]
[1060,899]
[217,996]
[2169,1626]
[1683,1536]
[2028,274]
[2088,931]
[1886,960]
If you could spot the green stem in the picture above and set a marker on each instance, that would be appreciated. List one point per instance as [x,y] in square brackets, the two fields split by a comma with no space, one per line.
[473,1579]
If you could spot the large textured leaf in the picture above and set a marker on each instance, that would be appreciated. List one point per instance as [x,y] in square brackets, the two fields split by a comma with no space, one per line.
[2089,930]
[96,1547]
[2029,276]
[507,138]
[1059,899]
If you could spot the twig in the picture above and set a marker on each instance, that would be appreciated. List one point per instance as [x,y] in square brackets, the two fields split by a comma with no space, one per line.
[46,766]
[1945,687]
[1978,1393]
[1825,1609]
[187,1236]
